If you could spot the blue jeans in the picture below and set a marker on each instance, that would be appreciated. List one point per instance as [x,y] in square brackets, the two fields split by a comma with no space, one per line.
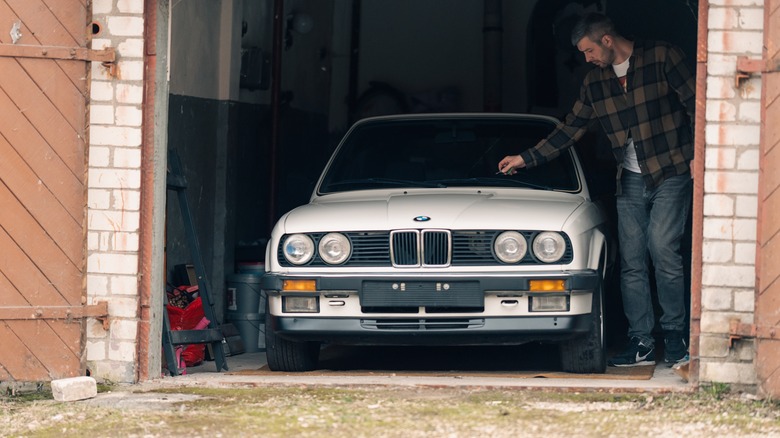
[652,222]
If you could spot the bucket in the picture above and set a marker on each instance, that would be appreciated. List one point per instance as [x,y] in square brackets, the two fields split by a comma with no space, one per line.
[243,293]
[251,328]
[251,268]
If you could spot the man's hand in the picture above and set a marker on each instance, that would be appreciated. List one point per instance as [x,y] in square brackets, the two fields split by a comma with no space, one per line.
[508,165]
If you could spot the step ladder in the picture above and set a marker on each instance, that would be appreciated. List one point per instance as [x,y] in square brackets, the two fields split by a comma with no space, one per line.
[212,335]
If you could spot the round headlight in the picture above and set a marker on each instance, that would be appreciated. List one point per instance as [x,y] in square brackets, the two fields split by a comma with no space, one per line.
[298,249]
[549,246]
[334,248]
[510,247]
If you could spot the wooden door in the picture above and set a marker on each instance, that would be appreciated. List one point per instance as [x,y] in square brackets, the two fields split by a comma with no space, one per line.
[44,76]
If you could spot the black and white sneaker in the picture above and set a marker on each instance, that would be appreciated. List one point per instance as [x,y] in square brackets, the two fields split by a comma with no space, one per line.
[637,354]
[675,347]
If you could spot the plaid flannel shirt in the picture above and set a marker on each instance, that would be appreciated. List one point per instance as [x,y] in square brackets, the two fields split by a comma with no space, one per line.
[652,111]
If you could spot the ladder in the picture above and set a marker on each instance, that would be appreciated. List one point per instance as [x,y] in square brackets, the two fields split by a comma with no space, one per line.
[212,335]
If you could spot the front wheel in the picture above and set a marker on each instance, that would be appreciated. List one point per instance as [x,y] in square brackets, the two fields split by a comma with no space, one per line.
[286,355]
[587,354]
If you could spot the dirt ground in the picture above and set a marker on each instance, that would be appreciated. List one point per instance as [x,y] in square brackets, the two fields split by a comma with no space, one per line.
[386,411]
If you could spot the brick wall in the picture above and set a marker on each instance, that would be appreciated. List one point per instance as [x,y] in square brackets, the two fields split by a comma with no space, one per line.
[114,189]
[730,191]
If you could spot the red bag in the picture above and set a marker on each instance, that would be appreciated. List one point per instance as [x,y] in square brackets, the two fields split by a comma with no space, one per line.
[187,319]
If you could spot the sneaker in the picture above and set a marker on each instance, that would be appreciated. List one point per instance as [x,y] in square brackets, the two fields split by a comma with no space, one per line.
[675,347]
[636,354]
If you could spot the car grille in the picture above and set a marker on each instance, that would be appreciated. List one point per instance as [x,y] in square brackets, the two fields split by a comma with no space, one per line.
[427,248]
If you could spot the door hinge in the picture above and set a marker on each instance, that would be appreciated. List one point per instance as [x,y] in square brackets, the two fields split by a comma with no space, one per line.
[107,56]
[98,311]
[747,66]
[740,330]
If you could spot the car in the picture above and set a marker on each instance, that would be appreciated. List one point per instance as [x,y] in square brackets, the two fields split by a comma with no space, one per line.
[412,237]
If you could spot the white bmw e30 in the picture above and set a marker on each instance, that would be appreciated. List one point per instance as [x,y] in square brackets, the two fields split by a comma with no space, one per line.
[412,238]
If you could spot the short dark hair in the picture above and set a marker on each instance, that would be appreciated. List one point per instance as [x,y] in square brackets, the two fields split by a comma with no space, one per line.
[593,26]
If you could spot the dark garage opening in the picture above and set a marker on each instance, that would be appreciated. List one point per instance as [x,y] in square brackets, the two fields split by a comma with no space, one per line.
[253,144]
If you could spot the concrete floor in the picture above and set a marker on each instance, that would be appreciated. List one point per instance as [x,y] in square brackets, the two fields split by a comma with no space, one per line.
[243,372]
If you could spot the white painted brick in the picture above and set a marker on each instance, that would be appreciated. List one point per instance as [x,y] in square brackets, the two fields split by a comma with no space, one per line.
[125,242]
[747,206]
[718,205]
[101,43]
[99,199]
[95,331]
[751,19]
[749,112]
[99,156]
[131,70]
[126,26]
[100,72]
[720,64]
[126,157]
[101,114]
[720,158]
[124,329]
[123,351]
[104,244]
[74,388]
[128,116]
[717,251]
[724,276]
[130,6]
[115,178]
[92,241]
[123,307]
[717,228]
[715,298]
[713,322]
[746,349]
[721,111]
[129,200]
[131,48]
[726,372]
[745,229]
[732,134]
[115,136]
[96,350]
[102,6]
[745,301]
[101,91]
[113,220]
[114,371]
[97,285]
[126,93]
[745,253]
[723,18]
[720,87]
[113,264]
[748,160]
[713,346]
[124,285]
[741,42]
[751,88]
[730,182]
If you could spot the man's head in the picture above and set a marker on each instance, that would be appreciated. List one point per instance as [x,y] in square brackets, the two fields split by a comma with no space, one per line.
[595,36]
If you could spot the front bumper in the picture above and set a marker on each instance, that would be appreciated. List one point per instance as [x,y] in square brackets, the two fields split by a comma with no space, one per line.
[501,317]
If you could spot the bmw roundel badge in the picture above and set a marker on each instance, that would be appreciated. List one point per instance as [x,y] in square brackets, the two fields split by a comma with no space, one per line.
[422,219]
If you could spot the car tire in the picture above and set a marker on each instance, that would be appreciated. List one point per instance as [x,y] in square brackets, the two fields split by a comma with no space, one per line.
[587,354]
[286,355]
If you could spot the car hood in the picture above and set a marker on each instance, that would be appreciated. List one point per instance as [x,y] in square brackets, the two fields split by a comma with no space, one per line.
[450,209]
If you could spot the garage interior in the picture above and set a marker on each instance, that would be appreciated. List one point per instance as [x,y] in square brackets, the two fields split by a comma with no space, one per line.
[261,91]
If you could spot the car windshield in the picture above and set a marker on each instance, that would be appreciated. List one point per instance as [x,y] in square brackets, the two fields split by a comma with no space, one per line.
[455,152]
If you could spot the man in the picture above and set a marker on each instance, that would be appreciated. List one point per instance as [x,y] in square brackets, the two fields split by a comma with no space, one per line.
[640,94]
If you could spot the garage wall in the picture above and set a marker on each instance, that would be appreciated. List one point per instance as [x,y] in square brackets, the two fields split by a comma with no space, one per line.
[730,191]
[114,189]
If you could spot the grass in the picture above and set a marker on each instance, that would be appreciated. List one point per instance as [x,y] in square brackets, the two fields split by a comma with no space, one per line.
[282,411]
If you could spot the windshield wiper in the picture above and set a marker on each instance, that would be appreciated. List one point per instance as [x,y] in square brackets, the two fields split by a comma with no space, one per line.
[502,182]
[385,181]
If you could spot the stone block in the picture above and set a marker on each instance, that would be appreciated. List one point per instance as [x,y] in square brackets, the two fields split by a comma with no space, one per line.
[74,388]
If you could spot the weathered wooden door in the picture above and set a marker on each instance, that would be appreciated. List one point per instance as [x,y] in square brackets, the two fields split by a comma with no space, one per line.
[767,314]
[44,77]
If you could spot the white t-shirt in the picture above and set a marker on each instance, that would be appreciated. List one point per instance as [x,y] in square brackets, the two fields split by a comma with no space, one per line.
[630,161]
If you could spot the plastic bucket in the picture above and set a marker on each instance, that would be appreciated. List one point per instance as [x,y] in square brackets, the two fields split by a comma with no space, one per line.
[243,293]
[251,328]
